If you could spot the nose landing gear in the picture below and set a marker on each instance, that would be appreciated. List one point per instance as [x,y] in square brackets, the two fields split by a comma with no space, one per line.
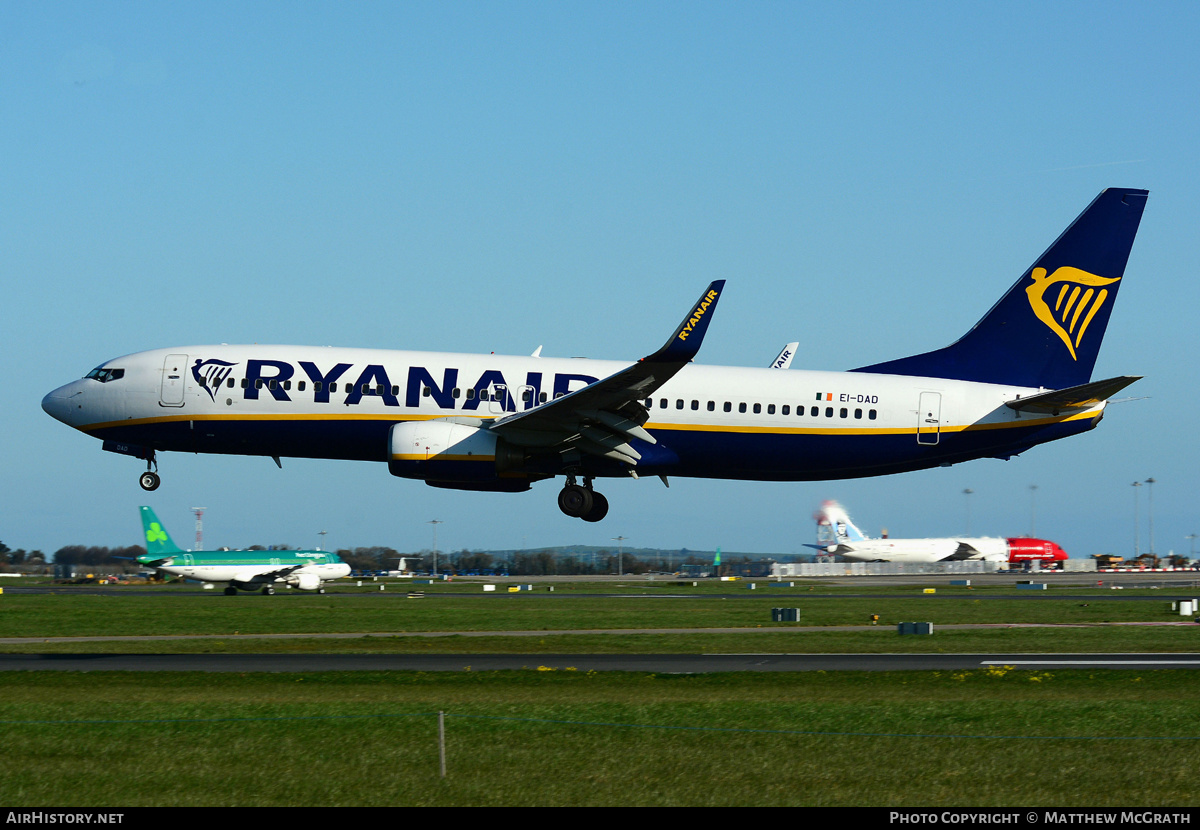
[581,501]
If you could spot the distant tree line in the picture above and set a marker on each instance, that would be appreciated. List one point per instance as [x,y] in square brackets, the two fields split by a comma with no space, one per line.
[520,563]
[378,558]
[20,558]
[92,555]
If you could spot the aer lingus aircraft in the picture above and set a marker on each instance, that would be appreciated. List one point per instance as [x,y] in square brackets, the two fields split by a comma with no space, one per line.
[247,570]
[1020,377]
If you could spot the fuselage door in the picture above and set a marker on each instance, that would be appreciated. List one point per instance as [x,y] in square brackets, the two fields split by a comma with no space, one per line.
[173,383]
[929,418]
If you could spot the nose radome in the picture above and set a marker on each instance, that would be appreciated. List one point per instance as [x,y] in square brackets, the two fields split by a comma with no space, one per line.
[54,403]
[57,404]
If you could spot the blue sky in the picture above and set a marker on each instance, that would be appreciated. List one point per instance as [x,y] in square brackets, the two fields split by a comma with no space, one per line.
[868,177]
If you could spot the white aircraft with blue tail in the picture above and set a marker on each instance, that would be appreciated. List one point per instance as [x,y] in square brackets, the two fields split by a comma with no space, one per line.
[1019,377]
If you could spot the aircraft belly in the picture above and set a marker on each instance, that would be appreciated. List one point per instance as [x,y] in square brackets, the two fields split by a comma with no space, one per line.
[349,440]
[824,456]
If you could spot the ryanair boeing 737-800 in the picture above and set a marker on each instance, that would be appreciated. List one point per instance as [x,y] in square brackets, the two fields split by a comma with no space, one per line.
[1020,377]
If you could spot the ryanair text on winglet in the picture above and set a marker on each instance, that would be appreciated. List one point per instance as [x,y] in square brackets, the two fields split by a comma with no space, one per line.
[686,329]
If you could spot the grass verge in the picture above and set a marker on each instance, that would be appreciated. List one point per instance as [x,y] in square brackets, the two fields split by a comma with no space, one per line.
[986,738]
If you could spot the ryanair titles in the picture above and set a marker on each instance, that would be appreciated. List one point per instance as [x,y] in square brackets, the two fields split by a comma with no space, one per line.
[345,383]
[697,315]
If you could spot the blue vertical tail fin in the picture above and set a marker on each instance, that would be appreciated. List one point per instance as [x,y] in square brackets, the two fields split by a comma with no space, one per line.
[1046,331]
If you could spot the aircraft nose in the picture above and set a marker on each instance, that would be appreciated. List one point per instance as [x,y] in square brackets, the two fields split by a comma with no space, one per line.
[59,403]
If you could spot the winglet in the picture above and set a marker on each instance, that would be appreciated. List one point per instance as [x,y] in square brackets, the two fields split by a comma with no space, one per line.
[158,541]
[785,357]
[685,342]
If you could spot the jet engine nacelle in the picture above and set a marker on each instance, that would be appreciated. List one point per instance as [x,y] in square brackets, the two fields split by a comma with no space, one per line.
[457,453]
[307,582]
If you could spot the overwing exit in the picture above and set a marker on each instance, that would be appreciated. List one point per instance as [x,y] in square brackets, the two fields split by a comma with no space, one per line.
[1020,377]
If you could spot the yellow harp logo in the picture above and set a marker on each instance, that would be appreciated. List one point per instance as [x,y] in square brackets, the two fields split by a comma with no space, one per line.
[1080,295]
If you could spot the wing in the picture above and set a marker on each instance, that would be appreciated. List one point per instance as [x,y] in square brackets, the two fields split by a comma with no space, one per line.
[271,576]
[602,418]
[963,551]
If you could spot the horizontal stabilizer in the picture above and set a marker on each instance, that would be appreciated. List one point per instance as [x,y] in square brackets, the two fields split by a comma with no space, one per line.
[1076,397]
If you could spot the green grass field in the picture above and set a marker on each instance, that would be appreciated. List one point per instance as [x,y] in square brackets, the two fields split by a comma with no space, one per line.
[1129,624]
[986,738]
[957,739]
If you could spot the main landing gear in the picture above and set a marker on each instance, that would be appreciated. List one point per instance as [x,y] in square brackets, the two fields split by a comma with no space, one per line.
[149,479]
[581,501]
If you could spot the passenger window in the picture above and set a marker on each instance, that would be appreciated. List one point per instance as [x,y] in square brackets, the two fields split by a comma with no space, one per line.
[843,412]
[871,414]
[316,386]
[695,405]
[679,403]
[757,408]
[742,408]
[829,412]
[728,406]
[712,406]
[813,412]
[858,414]
[770,409]
[785,410]
[299,385]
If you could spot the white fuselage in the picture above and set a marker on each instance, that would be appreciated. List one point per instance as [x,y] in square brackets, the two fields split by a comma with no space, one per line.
[923,550]
[709,421]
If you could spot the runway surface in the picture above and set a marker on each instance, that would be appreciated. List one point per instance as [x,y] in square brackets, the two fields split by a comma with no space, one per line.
[658,663]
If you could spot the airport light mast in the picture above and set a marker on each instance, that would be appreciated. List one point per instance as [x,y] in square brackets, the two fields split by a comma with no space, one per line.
[1150,511]
[620,540]
[435,523]
[1137,534]
[199,511]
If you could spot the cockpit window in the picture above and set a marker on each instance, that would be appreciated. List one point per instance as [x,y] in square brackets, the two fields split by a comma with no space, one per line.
[105,375]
